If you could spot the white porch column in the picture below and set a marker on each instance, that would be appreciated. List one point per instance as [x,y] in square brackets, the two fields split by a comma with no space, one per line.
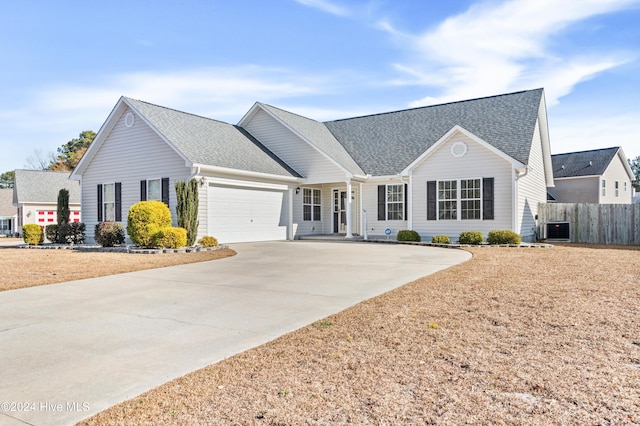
[290,213]
[409,200]
[349,211]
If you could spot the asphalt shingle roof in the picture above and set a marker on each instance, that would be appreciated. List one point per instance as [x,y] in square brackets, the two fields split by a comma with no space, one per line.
[385,144]
[7,209]
[43,186]
[582,163]
[211,142]
[319,135]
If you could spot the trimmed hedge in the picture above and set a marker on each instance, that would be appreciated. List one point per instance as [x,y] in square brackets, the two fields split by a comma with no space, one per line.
[408,235]
[503,236]
[470,237]
[51,232]
[32,234]
[108,234]
[440,239]
[170,238]
[73,232]
[208,241]
[147,218]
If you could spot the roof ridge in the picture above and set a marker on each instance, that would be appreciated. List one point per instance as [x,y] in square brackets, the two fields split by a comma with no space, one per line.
[435,105]
[587,151]
[291,112]
[177,110]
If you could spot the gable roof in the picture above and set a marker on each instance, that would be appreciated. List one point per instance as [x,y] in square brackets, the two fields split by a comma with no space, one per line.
[385,144]
[43,186]
[200,141]
[318,135]
[210,142]
[583,163]
[7,209]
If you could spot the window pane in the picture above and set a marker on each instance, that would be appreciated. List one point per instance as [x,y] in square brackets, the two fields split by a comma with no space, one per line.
[306,212]
[317,196]
[316,212]
[154,190]
[109,212]
[108,193]
[395,202]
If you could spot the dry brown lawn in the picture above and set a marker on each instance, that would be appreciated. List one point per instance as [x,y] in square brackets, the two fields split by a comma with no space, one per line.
[514,336]
[21,267]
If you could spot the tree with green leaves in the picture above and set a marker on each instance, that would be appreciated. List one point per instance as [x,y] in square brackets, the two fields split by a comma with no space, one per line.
[7,179]
[69,154]
[187,208]
[635,168]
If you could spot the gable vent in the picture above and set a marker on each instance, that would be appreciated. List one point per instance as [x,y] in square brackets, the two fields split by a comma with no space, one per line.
[129,119]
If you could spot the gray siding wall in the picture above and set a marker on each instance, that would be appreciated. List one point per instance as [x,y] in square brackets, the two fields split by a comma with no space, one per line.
[576,190]
[531,190]
[616,173]
[479,162]
[292,150]
[129,155]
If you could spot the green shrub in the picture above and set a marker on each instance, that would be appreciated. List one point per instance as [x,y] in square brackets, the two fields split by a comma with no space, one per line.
[408,235]
[208,241]
[503,236]
[75,232]
[440,239]
[470,237]
[108,234]
[33,234]
[146,218]
[170,238]
[51,232]
[187,207]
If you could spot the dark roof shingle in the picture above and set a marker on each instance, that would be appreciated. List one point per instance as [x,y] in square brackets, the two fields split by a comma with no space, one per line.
[582,163]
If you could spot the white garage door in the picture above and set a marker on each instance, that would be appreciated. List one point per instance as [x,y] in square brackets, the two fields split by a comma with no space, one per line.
[245,214]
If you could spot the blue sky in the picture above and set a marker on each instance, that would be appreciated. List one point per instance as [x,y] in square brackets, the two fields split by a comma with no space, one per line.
[65,64]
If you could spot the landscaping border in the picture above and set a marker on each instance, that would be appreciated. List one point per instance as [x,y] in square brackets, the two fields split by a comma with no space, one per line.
[121,249]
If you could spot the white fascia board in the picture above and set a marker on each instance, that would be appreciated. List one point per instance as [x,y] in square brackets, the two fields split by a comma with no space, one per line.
[101,135]
[545,140]
[249,114]
[459,129]
[387,178]
[625,164]
[348,174]
[204,168]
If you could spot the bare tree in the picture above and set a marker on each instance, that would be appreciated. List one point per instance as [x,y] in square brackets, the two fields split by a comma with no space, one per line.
[39,160]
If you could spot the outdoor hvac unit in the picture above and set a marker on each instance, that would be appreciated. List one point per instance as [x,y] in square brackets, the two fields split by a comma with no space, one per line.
[558,231]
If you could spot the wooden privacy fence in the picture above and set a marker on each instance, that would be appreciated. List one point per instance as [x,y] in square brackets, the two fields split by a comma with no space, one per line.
[593,223]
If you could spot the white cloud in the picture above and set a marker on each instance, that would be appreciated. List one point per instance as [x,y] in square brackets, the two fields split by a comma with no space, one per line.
[325,6]
[500,47]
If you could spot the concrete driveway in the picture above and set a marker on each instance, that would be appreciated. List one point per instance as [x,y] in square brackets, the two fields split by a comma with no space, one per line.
[70,350]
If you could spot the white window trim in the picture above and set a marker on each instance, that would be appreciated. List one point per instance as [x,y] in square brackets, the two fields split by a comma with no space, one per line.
[104,202]
[459,199]
[603,185]
[149,192]
[312,205]
[387,202]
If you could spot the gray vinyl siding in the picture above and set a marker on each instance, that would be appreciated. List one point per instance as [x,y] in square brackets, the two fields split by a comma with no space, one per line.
[531,190]
[129,155]
[479,162]
[297,153]
[616,172]
[375,227]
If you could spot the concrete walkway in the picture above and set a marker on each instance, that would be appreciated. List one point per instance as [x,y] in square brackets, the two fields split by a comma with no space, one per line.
[70,350]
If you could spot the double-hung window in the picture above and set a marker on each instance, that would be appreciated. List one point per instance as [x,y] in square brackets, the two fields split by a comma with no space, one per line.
[109,202]
[617,188]
[154,190]
[604,187]
[460,199]
[392,201]
[311,204]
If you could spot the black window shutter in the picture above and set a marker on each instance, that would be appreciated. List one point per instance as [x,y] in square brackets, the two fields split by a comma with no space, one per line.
[406,192]
[487,198]
[165,191]
[99,203]
[431,200]
[118,190]
[143,190]
[382,202]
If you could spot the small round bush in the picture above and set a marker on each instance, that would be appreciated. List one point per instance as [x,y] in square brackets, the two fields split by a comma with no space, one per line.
[33,234]
[51,232]
[440,239]
[408,235]
[208,241]
[108,234]
[470,237]
[170,238]
[145,219]
[503,236]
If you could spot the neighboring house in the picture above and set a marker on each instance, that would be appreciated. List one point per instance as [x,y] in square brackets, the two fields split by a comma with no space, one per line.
[478,165]
[599,176]
[35,194]
[8,212]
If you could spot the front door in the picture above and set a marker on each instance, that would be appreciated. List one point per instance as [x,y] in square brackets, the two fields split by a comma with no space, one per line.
[339,211]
